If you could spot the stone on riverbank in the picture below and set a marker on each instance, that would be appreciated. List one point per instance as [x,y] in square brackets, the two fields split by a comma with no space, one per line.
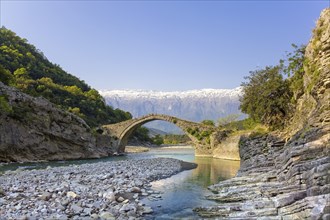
[91,191]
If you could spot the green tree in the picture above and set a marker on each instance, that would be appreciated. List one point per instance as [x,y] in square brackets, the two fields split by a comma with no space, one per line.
[293,67]
[21,73]
[266,97]
[5,76]
[142,133]
[158,140]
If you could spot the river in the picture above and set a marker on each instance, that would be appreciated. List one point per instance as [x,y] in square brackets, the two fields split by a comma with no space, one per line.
[180,193]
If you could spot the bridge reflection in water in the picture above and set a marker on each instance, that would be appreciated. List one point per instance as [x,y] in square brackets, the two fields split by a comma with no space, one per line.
[210,170]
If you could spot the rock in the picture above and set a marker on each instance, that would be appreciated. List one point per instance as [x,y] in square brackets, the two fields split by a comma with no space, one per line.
[87,211]
[71,194]
[106,216]
[120,199]
[97,204]
[126,201]
[125,208]
[2,192]
[76,208]
[135,190]
[147,210]
[138,183]
[76,198]
[46,196]
[94,216]
[65,202]
[2,201]
[61,207]
[111,196]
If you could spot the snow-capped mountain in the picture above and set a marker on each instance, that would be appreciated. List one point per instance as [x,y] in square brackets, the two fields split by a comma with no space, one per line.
[194,105]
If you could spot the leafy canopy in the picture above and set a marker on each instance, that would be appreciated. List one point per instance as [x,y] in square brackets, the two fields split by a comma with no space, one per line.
[270,94]
[266,96]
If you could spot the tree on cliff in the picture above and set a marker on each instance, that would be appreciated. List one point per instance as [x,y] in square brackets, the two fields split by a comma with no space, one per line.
[266,96]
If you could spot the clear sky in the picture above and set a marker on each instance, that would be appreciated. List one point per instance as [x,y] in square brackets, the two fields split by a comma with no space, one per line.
[162,45]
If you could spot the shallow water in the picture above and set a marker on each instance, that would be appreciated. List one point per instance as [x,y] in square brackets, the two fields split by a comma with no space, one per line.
[186,190]
[181,192]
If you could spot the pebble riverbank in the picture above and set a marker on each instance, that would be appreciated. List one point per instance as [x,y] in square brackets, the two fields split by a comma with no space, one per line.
[105,190]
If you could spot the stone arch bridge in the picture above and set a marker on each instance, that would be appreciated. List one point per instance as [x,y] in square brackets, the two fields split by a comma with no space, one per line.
[204,137]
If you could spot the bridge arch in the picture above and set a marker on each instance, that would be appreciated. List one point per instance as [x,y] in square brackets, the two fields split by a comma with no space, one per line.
[203,136]
[127,131]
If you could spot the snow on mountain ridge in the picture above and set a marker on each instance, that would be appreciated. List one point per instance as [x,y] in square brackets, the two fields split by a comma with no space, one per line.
[178,94]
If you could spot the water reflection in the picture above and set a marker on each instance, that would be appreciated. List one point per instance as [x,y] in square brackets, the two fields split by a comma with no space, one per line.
[211,170]
[188,189]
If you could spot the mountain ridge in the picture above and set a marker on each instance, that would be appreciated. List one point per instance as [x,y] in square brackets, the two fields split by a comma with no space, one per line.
[194,105]
[165,94]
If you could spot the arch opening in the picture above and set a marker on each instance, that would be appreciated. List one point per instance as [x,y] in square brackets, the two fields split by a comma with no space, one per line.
[158,133]
[127,133]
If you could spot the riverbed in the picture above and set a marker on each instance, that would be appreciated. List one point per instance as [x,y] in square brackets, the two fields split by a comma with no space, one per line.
[178,194]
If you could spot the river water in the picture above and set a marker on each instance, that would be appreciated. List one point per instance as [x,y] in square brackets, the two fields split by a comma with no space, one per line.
[180,193]
[186,190]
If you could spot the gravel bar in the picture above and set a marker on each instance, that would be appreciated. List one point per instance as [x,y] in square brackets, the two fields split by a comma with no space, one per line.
[105,190]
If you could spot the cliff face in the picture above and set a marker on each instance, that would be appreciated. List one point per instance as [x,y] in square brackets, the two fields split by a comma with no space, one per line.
[34,129]
[291,180]
[312,110]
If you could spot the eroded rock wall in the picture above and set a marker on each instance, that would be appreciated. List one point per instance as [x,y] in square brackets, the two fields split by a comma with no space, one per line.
[35,129]
[226,147]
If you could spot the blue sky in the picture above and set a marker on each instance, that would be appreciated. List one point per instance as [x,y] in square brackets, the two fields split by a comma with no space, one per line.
[162,45]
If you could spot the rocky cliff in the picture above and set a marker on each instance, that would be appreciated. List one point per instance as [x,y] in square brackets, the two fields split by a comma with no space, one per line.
[35,129]
[287,180]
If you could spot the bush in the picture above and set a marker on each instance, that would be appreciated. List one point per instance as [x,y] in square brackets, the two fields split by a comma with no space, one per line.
[4,105]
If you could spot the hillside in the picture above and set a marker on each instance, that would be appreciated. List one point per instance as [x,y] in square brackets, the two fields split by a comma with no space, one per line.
[25,67]
[33,129]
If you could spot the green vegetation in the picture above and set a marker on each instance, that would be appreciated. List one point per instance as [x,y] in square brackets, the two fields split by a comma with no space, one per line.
[176,139]
[158,140]
[142,133]
[294,69]
[267,97]
[200,135]
[228,121]
[208,122]
[231,122]
[26,68]
[270,94]
[4,105]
